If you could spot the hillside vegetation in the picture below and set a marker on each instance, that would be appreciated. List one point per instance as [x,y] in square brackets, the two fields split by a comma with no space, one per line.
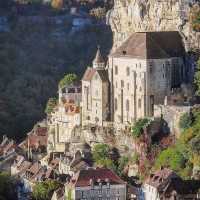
[33,60]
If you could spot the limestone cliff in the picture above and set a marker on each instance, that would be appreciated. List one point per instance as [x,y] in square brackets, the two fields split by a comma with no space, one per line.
[128,16]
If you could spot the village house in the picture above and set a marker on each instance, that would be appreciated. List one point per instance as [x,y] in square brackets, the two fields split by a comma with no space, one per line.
[96,183]
[166,184]
[7,148]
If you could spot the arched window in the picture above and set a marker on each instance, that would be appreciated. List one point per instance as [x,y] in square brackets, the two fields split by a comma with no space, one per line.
[127,105]
[115,103]
[127,71]
[139,103]
[116,70]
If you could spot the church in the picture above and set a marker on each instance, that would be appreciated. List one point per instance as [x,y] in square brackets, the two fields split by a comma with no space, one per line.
[138,75]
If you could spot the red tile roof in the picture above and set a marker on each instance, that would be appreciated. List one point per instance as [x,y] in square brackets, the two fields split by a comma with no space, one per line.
[85,176]
[88,74]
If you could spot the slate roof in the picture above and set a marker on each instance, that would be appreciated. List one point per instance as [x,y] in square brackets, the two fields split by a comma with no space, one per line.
[84,177]
[151,45]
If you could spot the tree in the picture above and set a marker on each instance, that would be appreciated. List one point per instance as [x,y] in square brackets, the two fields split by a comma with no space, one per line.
[197,78]
[101,151]
[172,158]
[138,127]
[51,104]
[6,187]
[185,121]
[67,80]
[44,190]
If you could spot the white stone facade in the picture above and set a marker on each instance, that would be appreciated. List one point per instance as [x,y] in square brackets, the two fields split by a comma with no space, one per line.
[138,84]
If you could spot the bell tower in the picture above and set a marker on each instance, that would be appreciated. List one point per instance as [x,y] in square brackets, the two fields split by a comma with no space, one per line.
[99,61]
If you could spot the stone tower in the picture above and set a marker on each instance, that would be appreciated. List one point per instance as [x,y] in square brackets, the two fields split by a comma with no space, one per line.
[99,61]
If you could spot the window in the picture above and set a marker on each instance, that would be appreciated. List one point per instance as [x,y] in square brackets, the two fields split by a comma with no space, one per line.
[127,105]
[128,86]
[139,103]
[96,93]
[116,84]
[127,71]
[115,103]
[122,83]
[116,70]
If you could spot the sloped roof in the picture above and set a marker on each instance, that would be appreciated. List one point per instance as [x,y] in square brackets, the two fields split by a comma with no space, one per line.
[98,58]
[85,176]
[151,45]
[89,73]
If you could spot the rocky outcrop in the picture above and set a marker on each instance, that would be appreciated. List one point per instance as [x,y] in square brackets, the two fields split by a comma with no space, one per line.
[128,16]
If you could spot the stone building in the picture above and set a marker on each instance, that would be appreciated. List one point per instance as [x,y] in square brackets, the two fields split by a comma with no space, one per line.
[139,74]
[142,71]
[95,93]
[65,119]
[96,184]
[165,184]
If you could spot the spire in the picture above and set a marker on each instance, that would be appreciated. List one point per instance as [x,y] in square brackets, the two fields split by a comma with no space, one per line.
[98,61]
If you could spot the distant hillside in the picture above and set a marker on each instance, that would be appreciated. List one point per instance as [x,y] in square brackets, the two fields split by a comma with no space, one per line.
[34,58]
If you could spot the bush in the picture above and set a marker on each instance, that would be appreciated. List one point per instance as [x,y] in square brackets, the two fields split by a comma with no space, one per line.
[101,151]
[171,158]
[138,127]
[185,121]
[44,190]
[67,80]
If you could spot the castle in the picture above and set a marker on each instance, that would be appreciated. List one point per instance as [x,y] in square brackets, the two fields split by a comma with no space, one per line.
[139,74]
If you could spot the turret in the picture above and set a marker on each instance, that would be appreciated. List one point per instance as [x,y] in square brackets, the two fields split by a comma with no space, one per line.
[99,62]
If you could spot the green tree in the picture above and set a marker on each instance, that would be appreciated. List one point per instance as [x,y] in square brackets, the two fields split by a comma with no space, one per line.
[185,121]
[197,78]
[100,151]
[44,190]
[51,104]
[172,158]
[67,80]
[138,127]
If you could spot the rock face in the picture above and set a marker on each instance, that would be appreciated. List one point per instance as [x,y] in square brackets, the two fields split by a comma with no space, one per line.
[128,16]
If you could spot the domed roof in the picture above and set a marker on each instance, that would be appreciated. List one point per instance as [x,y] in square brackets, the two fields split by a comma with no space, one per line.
[99,58]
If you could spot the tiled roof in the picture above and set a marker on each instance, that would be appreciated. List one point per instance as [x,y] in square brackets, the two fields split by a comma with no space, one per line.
[151,45]
[85,176]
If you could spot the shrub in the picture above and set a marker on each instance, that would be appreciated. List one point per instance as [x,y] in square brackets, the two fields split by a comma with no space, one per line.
[172,158]
[44,190]
[185,121]
[138,127]
[67,80]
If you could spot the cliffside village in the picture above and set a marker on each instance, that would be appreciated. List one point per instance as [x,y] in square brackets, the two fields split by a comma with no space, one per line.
[147,76]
